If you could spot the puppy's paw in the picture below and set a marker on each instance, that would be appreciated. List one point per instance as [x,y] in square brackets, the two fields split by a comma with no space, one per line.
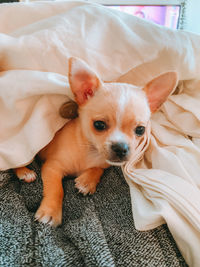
[85,185]
[26,174]
[49,214]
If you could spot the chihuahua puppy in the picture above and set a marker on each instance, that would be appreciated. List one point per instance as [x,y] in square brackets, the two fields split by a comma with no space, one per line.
[111,122]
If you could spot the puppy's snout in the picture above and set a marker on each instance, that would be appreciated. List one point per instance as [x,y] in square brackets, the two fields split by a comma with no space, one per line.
[121,150]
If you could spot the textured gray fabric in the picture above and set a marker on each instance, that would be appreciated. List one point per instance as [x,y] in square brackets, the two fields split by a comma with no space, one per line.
[97,230]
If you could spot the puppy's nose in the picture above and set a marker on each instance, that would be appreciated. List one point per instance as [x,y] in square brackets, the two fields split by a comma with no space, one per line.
[121,149]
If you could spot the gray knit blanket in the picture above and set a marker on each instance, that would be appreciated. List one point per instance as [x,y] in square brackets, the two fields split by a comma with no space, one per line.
[97,230]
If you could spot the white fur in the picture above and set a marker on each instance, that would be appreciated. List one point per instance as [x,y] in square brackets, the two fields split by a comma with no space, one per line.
[28,176]
[119,164]
[117,136]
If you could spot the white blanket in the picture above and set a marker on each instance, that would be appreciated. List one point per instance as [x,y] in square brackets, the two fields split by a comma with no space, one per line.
[36,40]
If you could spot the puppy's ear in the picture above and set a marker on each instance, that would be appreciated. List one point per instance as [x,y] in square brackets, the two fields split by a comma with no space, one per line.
[160,88]
[83,81]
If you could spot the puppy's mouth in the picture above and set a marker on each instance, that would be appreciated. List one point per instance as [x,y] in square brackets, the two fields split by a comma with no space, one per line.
[109,157]
[115,163]
[118,154]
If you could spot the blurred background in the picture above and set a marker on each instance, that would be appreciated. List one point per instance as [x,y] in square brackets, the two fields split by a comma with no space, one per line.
[175,14]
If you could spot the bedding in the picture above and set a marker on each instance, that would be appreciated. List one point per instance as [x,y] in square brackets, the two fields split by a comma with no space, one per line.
[96,231]
[36,41]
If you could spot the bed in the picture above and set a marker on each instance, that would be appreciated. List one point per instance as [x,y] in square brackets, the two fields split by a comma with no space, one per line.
[145,214]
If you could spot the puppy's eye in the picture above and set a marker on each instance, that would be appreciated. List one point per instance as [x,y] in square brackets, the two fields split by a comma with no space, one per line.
[100,125]
[139,130]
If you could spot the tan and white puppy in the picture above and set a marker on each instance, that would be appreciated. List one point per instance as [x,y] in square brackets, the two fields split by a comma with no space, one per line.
[111,122]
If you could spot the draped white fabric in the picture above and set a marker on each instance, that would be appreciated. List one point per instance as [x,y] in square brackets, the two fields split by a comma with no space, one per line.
[36,40]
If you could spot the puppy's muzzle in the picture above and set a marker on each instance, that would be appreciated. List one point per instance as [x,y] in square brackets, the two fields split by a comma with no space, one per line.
[120,151]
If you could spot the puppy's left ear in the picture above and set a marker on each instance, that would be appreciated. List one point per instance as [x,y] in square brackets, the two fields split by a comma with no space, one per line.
[160,88]
[83,81]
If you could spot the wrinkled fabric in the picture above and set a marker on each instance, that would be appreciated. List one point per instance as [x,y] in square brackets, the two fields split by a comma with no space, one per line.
[36,42]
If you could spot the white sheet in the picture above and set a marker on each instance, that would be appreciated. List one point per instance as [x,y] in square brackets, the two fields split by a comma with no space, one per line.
[36,41]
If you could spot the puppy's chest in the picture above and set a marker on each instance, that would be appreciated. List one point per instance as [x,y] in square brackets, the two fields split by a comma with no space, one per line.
[81,160]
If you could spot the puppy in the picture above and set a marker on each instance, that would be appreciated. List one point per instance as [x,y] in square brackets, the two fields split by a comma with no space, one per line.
[111,123]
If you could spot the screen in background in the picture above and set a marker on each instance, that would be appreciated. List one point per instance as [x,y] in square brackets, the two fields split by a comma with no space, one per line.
[164,15]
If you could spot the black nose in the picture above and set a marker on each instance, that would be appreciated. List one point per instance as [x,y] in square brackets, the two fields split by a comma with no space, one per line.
[121,149]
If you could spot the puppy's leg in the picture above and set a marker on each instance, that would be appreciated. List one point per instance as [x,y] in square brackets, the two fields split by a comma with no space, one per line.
[88,180]
[50,210]
[23,173]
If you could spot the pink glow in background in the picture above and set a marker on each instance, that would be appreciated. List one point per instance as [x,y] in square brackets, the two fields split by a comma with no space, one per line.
[164,15]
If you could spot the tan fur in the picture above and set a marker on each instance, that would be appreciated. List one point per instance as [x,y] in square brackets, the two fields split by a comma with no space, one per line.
[79,148]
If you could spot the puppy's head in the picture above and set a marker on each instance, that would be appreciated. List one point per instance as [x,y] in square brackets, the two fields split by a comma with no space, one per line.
[114,116]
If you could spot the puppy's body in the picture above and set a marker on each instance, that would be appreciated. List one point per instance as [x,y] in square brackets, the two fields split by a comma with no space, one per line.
[75,149]
[72,152]
[111,123]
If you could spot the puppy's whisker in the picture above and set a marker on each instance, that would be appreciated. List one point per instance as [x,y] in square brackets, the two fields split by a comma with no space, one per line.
[84,145]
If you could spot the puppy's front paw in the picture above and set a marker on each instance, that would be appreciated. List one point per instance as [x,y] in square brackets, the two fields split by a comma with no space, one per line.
[26,174]
[49,214]
[85,185]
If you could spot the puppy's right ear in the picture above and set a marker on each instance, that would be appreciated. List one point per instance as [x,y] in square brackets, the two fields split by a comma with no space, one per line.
[160,88]
[83,81]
